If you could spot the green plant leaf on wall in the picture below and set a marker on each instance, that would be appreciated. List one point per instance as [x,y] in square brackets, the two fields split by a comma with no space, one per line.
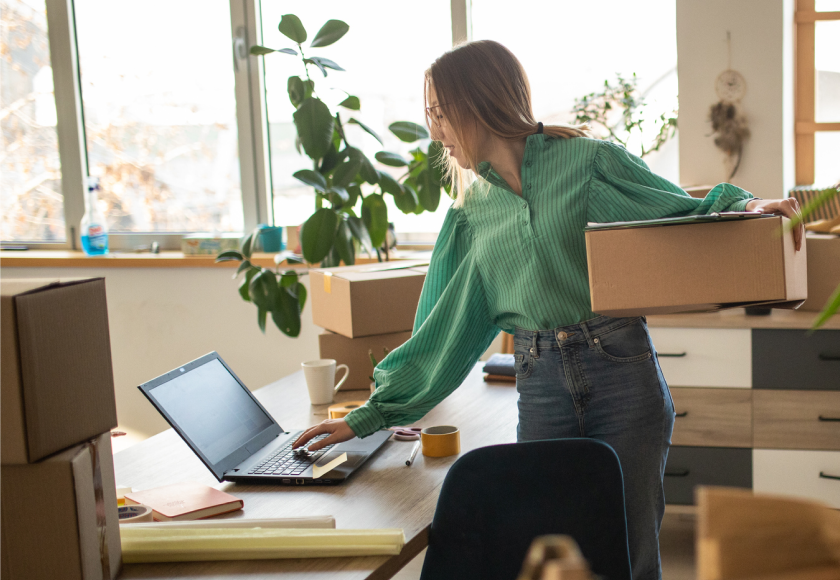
[291,26]
[392,159]
[314,124]
[329,33]
[408,131]
[317,235]
[351,103]
[389,184]
[370,131]
[375,217]
[312,178]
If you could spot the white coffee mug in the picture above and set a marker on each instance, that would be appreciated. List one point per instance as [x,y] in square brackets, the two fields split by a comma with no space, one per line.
[320,379]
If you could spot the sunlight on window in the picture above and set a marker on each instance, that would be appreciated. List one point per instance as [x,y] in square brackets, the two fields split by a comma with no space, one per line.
[160,113]
[31,202]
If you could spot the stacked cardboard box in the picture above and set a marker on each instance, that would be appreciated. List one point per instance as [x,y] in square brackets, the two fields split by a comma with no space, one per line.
[365,308]
[823,270]
[695,267]
[59,511]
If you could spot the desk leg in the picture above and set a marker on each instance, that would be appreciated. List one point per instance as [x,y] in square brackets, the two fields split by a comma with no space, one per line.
[408,553]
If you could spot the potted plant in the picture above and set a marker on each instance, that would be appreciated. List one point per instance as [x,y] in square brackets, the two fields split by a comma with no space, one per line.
[350,210]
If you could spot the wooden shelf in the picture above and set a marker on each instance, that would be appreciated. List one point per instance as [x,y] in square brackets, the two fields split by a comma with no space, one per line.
[737,318]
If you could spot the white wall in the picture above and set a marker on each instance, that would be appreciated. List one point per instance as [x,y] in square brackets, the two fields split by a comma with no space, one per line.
[163,317]
[762,51]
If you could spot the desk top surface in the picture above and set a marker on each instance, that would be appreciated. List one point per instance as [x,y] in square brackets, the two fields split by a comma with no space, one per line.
[384,493]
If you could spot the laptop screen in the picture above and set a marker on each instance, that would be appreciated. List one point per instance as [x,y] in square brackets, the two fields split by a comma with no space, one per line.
[212,410]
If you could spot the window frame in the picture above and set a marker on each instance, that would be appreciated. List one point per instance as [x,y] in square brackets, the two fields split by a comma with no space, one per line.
[251,116]
[806,127]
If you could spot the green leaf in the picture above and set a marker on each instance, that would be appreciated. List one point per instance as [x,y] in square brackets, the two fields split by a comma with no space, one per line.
[368,129]
[323,63]
[340,192]
[344,244]
[330,160]
[229,256]
[345,172]
[258,50]
[429,192]
[366,169]
[389,184]
[329,33]
[296,90]
[353,193]
[301,294]
[288,279]
[261,315]
[285,311]
[314,124]
[245,245]
[359,231]
[408,131]
[245,284]
[291,26]
[312,178]
[375,217]
[407,200]
[831,308]
[351,103]
[242,267]
[317,234]
[392,159]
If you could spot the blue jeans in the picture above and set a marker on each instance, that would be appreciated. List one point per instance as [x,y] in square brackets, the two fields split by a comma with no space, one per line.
[601,379]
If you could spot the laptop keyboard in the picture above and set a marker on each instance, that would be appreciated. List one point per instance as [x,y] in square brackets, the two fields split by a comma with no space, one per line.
[285,461]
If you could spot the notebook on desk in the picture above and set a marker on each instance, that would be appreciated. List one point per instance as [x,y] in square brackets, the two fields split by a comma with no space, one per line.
[235,437]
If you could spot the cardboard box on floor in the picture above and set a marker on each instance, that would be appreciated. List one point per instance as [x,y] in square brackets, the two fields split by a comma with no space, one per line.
[696,267]
[353,352]
[823,270]
[59,517]
[56,378]
[367,299]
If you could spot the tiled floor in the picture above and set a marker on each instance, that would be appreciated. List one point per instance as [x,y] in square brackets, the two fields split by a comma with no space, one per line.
[676,545]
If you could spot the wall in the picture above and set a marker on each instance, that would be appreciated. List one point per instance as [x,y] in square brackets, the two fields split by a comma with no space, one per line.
[163,317]
[762,51]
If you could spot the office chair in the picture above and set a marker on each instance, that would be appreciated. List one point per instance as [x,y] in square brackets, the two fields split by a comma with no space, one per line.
[496,500]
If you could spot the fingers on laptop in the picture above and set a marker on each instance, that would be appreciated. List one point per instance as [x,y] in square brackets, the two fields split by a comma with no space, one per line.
[338,429]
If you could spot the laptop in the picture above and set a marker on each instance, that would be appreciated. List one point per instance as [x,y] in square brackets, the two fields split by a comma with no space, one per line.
[236,438]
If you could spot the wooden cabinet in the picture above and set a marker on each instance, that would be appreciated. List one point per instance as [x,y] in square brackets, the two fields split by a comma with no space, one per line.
[713,417]
[796,419]
[809,474]
[689,467]
[704,357]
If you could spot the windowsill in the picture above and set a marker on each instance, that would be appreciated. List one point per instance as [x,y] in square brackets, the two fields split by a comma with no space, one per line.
[70,259]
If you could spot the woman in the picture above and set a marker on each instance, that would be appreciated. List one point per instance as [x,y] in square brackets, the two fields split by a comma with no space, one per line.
[511,256]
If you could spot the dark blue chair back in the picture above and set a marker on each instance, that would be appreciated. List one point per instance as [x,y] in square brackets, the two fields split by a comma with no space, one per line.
[496,500]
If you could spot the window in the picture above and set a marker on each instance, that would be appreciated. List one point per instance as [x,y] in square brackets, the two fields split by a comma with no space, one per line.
[160,114]
[817,92]
[566,54]
[32,206]
[382,70]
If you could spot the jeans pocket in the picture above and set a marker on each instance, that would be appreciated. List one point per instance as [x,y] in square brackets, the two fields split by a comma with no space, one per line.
[523,365]
[626,344]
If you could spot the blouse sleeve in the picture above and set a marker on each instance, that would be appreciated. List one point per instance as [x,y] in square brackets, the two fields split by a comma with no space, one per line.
[624,189]
[452,329]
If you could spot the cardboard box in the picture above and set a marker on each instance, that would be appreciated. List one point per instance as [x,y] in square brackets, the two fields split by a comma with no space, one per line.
[56,511]
[353,352]
[823,270]
[56,378]
[204,244]
[367,299]
[696,267]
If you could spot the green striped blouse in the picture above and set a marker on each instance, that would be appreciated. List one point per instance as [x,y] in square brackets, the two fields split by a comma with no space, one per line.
[504,261]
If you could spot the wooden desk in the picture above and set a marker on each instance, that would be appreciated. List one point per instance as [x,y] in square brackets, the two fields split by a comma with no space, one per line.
[384,493]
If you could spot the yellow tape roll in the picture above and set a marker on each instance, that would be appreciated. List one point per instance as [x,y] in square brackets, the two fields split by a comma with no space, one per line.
[340,410]
[135,514]
[441,441]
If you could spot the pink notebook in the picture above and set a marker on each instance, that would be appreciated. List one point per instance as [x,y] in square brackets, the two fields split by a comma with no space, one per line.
[185,501]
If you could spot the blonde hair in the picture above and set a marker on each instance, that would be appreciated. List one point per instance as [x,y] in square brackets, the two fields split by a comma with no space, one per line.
[483,82]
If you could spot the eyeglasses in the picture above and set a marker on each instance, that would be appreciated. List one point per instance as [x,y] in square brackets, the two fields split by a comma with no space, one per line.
[434,118]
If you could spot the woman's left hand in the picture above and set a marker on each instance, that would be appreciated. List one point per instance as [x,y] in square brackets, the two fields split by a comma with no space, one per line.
[787,207]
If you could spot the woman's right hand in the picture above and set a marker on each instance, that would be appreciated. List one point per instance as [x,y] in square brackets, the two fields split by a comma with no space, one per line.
[339,431]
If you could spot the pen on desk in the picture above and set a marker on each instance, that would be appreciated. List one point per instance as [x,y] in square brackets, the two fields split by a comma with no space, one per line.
[414,450]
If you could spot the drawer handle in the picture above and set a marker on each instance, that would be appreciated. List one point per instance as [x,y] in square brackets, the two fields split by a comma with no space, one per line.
[823,475]
[678,354]
[684,413]
[684,473]
[821,418]
[824,356]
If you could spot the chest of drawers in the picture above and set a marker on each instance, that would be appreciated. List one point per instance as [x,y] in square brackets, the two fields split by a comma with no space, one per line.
[757,402]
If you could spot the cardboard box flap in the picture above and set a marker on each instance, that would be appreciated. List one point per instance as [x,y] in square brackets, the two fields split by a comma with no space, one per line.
[76,355]
[30,285]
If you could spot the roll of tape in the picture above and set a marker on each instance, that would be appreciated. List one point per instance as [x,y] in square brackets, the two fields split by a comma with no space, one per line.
[441,441]
[340,410]
[135,514]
